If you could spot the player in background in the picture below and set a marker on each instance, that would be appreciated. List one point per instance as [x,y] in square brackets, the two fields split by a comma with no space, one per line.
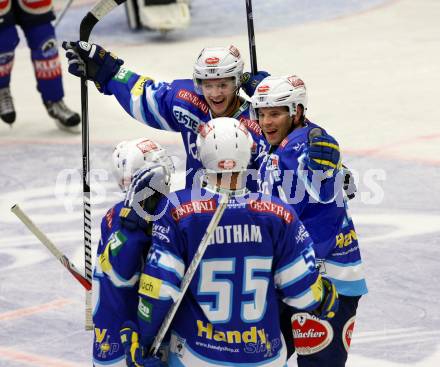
[183,105]
[260,251]
[160,15]
[139,166]
[303,167]
[34,17]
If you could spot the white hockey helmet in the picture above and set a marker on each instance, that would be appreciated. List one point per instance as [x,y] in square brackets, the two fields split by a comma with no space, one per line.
[133,155]
[289,91]
[224,145]
[218,63]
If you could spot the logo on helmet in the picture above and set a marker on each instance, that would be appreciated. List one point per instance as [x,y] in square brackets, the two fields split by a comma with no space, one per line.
[212,60]
[234,51]
[227,164]
[263,88]
[147,146]
[204,129]
[295,81]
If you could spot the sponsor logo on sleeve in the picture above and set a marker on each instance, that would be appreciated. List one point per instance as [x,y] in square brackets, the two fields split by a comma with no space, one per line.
[150,286]
[310,334]
[193,99]
[138,87]
[116,241]
[153,256]
[109,217]
[270,207]
[284,142]
[123,75]
[192,207]
[145,310]
[161,232]
[301,234]
[347,332]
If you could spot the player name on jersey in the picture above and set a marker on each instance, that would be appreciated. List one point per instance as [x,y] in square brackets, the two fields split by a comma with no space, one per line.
[237,233]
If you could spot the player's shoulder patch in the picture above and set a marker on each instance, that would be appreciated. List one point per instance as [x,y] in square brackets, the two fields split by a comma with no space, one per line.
[193,207]
[265,206]
[310,334]
[109,217]
[251,125]
[193,99]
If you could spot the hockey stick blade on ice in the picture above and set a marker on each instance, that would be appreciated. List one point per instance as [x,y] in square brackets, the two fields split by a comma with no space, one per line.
[100,10]
[186,280]
[51,247]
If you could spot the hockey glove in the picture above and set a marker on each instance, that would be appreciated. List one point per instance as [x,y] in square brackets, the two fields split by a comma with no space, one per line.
[330,303]
[323,154]
[147,187]
[93,62]
[249,82]
[349,183]
[133,351]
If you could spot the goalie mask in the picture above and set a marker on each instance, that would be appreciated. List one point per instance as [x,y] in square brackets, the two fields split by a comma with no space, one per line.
[285,91]
[133,155]
[224,145]
[218,63]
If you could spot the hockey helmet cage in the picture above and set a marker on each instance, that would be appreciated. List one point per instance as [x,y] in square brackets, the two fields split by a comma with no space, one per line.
[218,63]
[224,145]
[288,91]
[130,156]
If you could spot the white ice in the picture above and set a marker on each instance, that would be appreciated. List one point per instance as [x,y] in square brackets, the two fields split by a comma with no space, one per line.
[373,72]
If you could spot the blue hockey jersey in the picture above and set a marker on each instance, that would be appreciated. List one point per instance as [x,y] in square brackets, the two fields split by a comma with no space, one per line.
[260,252]
[176,107]
[119,263]
[322,208]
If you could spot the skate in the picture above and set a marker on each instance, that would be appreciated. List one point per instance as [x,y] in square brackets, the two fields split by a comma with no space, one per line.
[7,111]
[65,118]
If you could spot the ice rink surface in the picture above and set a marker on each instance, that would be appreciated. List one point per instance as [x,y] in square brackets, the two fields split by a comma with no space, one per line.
[372,69]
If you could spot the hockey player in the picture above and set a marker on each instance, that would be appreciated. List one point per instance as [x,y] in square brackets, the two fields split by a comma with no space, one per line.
[258,252]
[140,165]
[184,105]
[34,18]
[303,168]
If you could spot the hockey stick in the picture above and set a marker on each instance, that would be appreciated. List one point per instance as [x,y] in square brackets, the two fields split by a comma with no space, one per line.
[190,273]
[89,21]
[251,37]
[63,12]
[51,247]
